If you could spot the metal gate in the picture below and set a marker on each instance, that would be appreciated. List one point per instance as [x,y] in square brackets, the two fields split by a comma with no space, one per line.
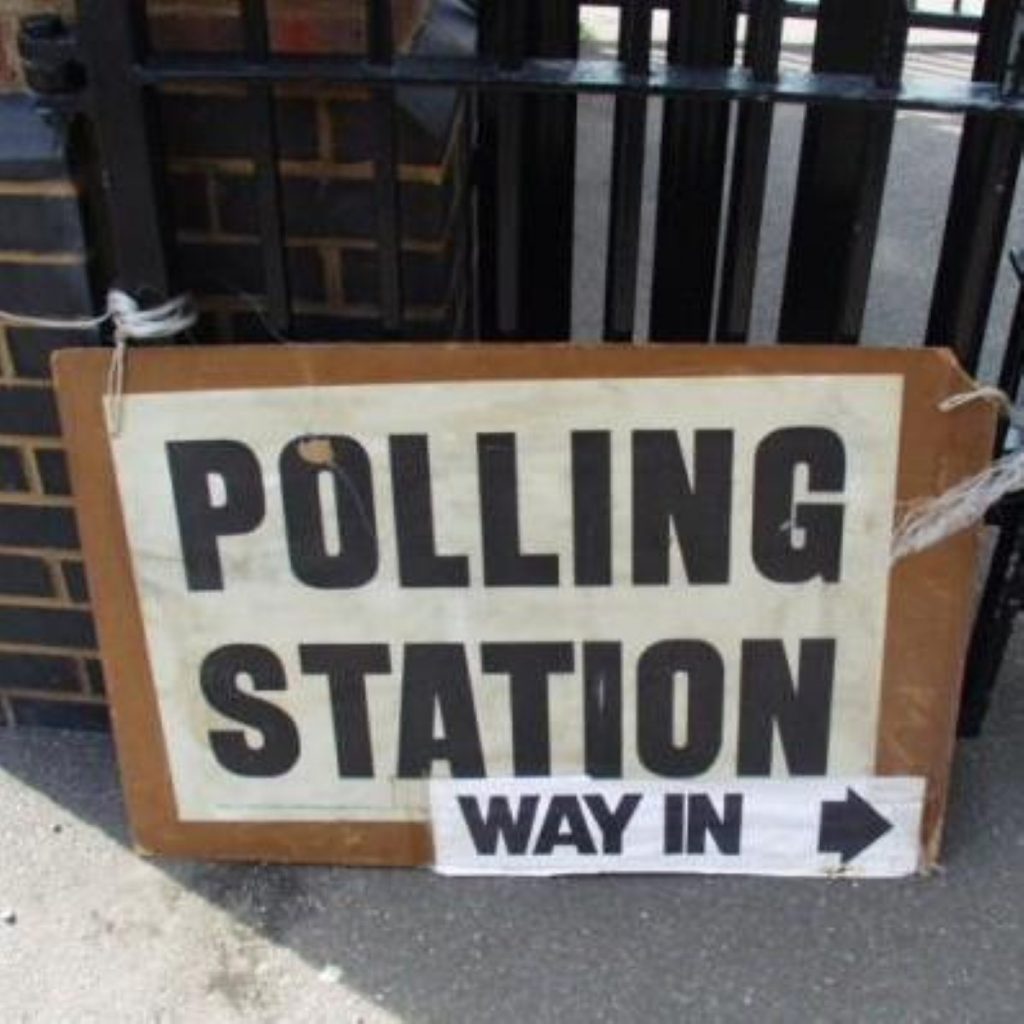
[523,87]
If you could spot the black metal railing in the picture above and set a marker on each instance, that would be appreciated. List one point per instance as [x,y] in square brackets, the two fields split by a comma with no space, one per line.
[717,119]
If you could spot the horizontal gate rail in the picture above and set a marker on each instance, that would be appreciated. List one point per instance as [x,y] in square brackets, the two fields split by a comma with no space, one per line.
[953,20]
[585,77]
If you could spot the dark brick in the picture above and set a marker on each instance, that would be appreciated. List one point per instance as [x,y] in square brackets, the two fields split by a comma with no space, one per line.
[426,277]
[54,291]
[224,127]
[94,672]
[63,714]
[53,471]
[31,349]
[25,576]
[424,127]
[38,526]
[47,627]
[189,202]
[238,269]
[12,470]
[40,224]
[194,32]
[30,412]
[316,208]
[39,672]
[74,580]
[31,148]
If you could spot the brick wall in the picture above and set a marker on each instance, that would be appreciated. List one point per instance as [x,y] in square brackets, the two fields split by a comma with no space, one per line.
[328,195]
[49,667]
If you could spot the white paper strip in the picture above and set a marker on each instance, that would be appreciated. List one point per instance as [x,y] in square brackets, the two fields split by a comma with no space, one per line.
[860,827]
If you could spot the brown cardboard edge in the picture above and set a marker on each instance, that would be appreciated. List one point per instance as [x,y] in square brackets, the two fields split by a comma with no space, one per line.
[916,729]
[931,597]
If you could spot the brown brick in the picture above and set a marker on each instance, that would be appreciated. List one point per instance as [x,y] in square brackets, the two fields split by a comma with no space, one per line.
[297,26]
[234,269]
[327,208]
[190,204]
[424,130]
[426,277]
[224,127]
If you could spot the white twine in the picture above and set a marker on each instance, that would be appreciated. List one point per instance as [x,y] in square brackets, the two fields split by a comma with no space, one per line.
[926,523]
[131,323]
[931,520]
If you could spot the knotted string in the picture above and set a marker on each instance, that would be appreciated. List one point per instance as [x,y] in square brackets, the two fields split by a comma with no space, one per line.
[130,323]
[931,520]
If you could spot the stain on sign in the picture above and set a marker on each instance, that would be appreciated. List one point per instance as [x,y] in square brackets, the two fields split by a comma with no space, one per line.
[534,609]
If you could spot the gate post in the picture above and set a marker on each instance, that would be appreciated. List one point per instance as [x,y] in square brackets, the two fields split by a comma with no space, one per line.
[114,40]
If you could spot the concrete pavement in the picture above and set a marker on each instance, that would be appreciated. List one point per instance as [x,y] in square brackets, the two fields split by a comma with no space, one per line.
[91,932]
[102,935]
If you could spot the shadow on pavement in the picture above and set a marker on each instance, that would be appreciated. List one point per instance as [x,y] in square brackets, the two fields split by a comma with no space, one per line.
[427,948]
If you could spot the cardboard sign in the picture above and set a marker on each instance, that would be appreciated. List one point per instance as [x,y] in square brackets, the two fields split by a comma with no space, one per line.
[528,609]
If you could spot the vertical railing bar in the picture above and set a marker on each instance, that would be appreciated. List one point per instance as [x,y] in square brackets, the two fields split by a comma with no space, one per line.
[877,149]
[979,207]
[1011,368]
[381,50]
[844,158]
[751,149]
[549,180]
[1003,596]
[511,31]
[263,121]
[627,178]
[694,144]
[115,40]
[485,176]
[764,39]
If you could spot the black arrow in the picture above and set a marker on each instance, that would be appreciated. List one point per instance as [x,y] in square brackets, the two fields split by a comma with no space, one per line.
[850,826]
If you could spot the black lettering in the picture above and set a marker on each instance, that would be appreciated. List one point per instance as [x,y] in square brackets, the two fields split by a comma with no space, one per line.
[657,672]
[219,674]
[419,564]
[435,679]
[665,499]
[592,507]
[303,464]
[505,564]
[346,667]
[612,823]
[703,820]
[201,518]
[801,711]
[796,541]
[602,709]
[528,666]
[564,825]
[675,816]
[513,831]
